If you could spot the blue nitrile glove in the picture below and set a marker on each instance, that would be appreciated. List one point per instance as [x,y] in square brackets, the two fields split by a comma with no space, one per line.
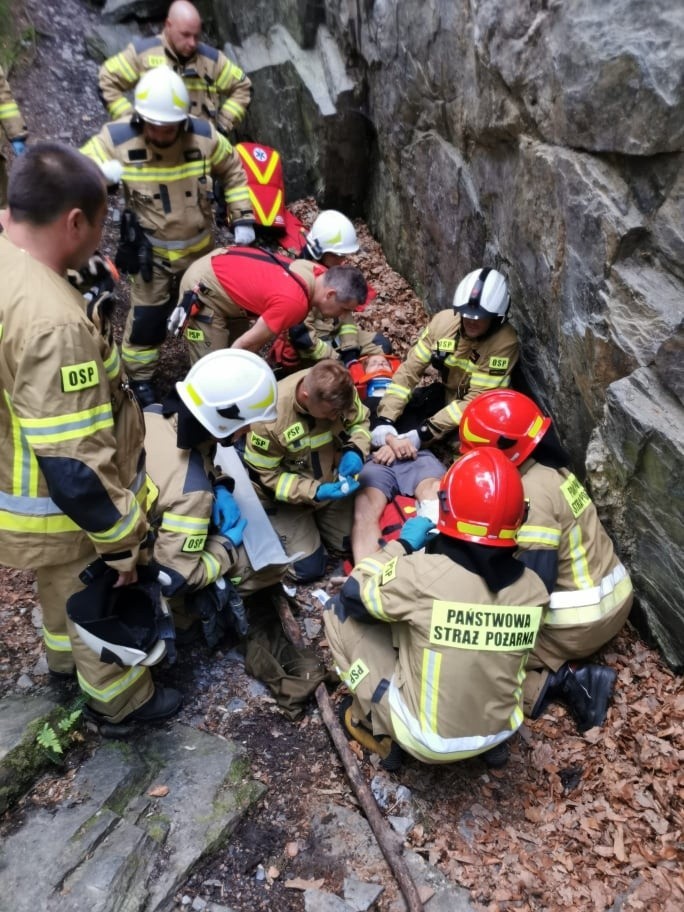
[225,513]
[19,146]
[336,490]
[415,532]
[350,464]
[236,534]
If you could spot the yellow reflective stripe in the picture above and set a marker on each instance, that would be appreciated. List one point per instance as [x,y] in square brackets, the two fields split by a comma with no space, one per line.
[422,352]
[548,536]
[172,255]
[196,84]
[120,529]
[57,429]
[37,525]
[585,606]
[164,174]
[455,411]
[259,461]
[139,355]
[319,351]
[230,106]
[95,150]
[228,74]
[401,392]
[347,329]
[579,562]
[24,463]
[370,594]
[262,177]
[116,688]
[118,65]
[8,110]
[285,484]
[222,150]
[212,568]
[186,525]
[266,218]
[119,108]
[320,440]
[237,194]
[429,689]
[112,363]
[479,380]
[57,642]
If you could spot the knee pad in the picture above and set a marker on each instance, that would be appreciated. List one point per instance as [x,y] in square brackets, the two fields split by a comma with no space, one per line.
[149,325]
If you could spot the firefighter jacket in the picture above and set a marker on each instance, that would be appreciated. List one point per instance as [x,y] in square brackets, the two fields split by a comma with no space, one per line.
[73,464]
[564,541]
[11,120]
[291,456]
[321,337]
[219,90]
[468,367]
[462,649]
[170,190]
[179,508]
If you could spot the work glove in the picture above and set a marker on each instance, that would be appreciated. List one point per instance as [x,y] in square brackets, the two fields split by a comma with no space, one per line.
[19,146]
[380,433]
[350,464]
[225,515]
[426,432]
[415,532]
[176,320]
[336,490]
[113,171]
[244,235]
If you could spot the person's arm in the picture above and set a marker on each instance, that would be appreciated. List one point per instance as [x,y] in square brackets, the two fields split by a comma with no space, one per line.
[306,339]
[235,94]
[227,167]
[357,427]
[117,75]
[406,378]
[264,455]
[255,338]
[62,400]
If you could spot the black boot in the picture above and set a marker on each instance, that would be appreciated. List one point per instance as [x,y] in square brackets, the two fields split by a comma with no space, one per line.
[497,757]
[585,690]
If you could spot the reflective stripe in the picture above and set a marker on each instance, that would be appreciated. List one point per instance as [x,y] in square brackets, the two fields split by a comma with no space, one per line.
[320,440]
[115,689]
[455,411]
[212,568]
[233,107]
[401,392]
[57,642]
[186,525]
[266,218]
[118,65]
[173,256]
[140,356]
[285,484]
[229,73]
[112,364]
[145,173]
[57,429]
[178,245]
[120,529]
[428,744]
[539,535]
[9,110]
[117,109]
[370,594]
[578,559]
[422,352]
[259,461]
[429,689]
[584,606]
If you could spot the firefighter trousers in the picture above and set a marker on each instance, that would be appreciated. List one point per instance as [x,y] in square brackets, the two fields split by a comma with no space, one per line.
[112,691]
[310,530]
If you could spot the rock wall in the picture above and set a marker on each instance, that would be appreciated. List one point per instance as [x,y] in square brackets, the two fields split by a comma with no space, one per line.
[544,137]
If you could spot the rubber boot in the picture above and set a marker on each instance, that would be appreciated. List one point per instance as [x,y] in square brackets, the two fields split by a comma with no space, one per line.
[585,690]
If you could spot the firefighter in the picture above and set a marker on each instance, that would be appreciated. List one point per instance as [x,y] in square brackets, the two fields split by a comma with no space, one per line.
[304,463]
[329,241]
[14,128]
[165,160]
[73,479]
[564,542]
[197,524]
[472,346]
[229,289]
[219,90]
[432,643]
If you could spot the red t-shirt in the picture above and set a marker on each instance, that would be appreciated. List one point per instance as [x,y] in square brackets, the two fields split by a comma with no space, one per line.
[262,284]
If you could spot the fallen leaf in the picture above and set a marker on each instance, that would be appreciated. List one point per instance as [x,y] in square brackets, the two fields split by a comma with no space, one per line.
[298,883]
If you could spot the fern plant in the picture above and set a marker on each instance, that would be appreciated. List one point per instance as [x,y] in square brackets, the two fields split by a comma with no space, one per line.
[58,735]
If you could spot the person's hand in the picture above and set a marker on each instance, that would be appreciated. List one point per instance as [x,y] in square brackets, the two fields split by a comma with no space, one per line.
[225,513]
[415,532]
[336,490]
[236,534]
[379,434]
[244,235]
[384,456]
[402,447]
[19,146]
[113,171]
[350,464]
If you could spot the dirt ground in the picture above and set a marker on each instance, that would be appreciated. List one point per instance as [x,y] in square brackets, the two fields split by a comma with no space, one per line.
[573,822]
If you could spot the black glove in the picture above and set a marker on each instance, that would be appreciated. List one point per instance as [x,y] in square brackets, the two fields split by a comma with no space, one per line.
[134,253]
[426,432]
[300,336]
[220,608]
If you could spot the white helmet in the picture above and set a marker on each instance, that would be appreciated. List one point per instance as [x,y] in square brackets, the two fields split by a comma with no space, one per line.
[227,389]
[331,232]
[161,97]
[482,294]
[126,626]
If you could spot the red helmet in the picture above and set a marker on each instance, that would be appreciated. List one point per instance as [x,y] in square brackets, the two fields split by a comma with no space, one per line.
[504,419]
[481,499]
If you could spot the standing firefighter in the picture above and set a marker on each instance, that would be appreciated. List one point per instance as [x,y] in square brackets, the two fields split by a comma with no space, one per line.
[73,473]
[14,128]
[564,542]
[433,644]
[219,90]
[166,161]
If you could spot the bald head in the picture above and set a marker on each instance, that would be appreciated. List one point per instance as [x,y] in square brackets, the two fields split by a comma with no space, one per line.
[182,28]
